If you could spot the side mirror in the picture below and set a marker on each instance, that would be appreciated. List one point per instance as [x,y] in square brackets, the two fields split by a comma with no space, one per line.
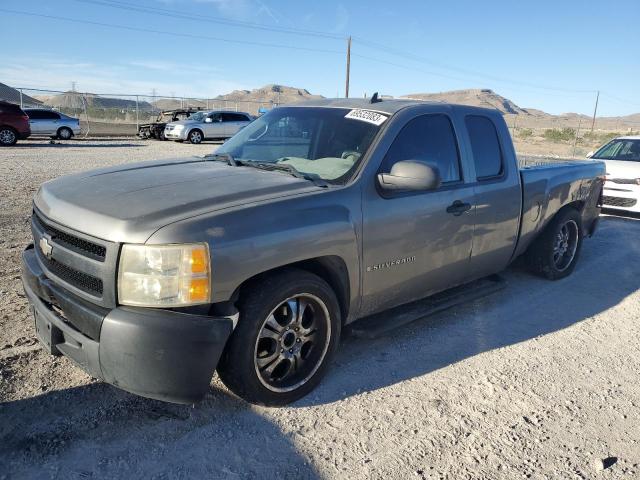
[590,154]
[410,175]
[208,120]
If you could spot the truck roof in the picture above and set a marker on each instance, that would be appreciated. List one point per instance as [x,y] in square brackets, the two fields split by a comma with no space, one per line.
[384,105]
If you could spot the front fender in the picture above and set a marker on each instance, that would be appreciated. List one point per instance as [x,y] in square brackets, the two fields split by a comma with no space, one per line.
[249,240]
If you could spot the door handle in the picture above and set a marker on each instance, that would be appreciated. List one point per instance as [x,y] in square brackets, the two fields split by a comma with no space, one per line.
[458,207]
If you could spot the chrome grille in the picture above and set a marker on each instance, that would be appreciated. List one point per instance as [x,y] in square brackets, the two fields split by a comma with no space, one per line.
[619,201]
[90,249]
[83,281]
[77,262]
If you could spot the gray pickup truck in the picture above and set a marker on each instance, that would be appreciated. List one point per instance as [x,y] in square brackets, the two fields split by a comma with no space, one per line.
[151,276]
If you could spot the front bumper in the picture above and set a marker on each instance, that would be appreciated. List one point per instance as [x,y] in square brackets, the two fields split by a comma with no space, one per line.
[621,197]
[155,353]
[175,135]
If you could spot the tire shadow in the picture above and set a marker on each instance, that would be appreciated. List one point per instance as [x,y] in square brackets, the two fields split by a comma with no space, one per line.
[99,431]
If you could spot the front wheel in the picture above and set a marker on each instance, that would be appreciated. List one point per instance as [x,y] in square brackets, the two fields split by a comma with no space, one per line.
[288,331]
[554,253]
[195,137]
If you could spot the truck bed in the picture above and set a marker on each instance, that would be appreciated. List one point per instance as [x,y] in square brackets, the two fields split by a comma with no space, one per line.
[550,184]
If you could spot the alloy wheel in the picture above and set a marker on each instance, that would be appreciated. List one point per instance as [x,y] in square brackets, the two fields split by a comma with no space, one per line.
[565,245]
[292,343]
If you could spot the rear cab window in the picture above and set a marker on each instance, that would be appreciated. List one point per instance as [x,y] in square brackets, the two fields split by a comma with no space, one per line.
[485,146]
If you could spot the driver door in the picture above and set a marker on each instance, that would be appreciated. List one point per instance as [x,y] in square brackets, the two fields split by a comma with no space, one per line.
[213,126]
[417,243]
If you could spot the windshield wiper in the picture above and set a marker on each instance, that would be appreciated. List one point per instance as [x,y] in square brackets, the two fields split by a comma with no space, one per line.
[224,157]
[287,167]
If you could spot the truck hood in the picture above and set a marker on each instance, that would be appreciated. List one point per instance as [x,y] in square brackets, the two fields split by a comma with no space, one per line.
[130,202]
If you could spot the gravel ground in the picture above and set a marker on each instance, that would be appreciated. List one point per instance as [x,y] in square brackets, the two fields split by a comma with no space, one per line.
[540,380]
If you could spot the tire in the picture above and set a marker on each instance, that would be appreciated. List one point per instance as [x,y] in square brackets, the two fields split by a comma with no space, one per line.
[8,136]
[64,133]
[274,356]
[195,136]
[555,252]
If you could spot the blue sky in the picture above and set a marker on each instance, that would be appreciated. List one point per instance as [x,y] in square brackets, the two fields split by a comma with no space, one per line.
[551,55]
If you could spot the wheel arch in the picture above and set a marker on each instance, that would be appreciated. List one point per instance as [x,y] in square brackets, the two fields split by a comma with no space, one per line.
[192,129]
[331,268]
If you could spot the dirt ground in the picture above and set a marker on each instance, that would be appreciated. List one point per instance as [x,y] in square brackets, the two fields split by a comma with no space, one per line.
[539,380]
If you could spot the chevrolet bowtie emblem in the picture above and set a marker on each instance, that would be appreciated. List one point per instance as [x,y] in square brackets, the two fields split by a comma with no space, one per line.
[46,247]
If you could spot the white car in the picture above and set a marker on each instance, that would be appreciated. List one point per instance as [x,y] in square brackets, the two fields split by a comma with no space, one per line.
[207,125]
[622,187]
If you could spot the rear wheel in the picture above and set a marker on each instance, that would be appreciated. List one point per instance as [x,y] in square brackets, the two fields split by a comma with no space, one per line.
[195,136]
[64,133]
[555,252]
[8,136]
[288,331]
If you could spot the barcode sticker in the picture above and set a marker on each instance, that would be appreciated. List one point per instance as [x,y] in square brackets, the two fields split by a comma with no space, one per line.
[368,116]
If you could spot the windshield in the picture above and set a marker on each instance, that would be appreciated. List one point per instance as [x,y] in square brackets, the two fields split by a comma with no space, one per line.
[315,141]
[198,116]
[622,149]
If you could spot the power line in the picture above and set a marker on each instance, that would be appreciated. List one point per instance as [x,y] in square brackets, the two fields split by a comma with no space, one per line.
[618,99]
[171,13]
[416,58]
[175,34]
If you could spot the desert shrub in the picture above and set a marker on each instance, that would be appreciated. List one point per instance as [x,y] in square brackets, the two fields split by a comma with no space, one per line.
[557,135]
[525,133]
[604,137]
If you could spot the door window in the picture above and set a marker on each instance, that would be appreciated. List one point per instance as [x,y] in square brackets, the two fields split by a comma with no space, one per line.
[485,146]
[429,139]
[35,114]
[233,117]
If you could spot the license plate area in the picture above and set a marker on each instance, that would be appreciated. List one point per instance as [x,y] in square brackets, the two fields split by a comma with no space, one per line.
[48,334]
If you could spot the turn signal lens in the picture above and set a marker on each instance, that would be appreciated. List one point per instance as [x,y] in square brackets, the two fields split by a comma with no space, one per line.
[164,275]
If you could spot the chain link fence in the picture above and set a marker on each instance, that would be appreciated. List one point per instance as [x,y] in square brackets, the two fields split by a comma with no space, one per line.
[122,114]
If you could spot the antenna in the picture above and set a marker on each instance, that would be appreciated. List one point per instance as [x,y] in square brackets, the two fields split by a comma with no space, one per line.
[375,99]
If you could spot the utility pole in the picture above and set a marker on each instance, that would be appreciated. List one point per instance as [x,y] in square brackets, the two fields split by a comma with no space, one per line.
[346,90]
[593,122]
[575,141]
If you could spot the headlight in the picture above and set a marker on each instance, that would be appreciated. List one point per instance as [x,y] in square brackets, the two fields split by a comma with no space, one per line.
[164,275]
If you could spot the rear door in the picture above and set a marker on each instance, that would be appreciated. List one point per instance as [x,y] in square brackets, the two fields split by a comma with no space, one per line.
[37,121]
[233,122]
[418,243]
[497,192]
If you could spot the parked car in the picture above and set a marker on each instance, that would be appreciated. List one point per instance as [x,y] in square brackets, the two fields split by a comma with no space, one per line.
[156,129]
[45,122]
[622,187]
[315,216]
[207,126]
[14,124]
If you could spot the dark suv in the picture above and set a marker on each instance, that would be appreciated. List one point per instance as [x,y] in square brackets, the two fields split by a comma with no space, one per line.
[14,124]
